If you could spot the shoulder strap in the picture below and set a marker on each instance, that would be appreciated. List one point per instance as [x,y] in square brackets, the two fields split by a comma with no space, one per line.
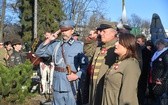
[63,55]
[55,51]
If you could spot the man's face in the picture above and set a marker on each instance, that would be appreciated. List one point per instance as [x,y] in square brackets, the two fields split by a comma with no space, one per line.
[140,42]
[9,47]
[18,47]
[67,34]
[108,35]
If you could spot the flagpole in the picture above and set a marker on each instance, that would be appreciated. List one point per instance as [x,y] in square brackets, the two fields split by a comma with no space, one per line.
[124,15]
[123,3]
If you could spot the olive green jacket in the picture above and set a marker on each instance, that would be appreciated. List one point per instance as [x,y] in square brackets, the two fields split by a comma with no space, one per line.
[120,85]
[96,85]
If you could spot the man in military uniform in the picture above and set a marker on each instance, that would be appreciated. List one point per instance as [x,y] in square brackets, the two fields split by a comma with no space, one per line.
[103,59]
[2,53]
[67,54]
[17,57]
[91,42]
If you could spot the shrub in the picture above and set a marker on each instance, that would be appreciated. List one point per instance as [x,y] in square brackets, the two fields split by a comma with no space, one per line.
[15,82]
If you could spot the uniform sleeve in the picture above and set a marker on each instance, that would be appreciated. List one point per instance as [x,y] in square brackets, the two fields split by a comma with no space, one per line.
[130,79]
[11,61]
[45,50]
[83,63]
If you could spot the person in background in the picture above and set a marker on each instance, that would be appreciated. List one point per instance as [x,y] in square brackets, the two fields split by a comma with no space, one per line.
[159,65]
[9,49]
[123,28]
[146,53]
[70,64]
[17,57]
[91,42]
[121,80]
[47,67]
[76,36]
[103,59]
[2,54]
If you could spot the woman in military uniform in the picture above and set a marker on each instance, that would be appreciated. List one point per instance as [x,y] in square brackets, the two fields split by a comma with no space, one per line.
[120,85]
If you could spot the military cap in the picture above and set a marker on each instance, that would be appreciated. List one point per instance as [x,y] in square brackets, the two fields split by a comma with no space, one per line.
[66,25]
[106,25]
[123,28]
[16,41]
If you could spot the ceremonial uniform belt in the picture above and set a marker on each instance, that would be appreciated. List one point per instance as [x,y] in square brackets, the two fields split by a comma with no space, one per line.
[61,69]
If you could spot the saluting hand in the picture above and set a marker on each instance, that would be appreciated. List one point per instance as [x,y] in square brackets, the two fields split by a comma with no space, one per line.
[50,36]
[72,77]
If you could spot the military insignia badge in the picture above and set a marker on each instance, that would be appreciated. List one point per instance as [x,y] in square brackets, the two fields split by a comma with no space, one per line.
[104,51]
[116,65]
[160,59]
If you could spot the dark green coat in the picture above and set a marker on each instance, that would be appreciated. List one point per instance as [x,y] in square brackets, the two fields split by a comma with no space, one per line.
[16,58]
[120,85]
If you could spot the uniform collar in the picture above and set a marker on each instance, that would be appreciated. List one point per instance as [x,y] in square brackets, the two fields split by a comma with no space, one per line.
[70,41]
[111,43]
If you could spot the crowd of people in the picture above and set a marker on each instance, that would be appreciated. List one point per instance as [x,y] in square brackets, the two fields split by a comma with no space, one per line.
[11,54]
[110,66]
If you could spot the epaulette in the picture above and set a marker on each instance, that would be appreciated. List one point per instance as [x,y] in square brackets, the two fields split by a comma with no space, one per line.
[80,42]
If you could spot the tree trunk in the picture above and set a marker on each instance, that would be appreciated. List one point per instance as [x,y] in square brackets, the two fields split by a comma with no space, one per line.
[2,19]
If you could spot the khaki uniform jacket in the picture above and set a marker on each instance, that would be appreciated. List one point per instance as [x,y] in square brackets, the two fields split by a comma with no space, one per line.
[96,85]
[120,86]
[2,56]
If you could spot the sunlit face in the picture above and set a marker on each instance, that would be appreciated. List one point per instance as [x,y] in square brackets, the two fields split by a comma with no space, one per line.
[119,49]
[93,34]
[107,34]
[47,34]
[67,34]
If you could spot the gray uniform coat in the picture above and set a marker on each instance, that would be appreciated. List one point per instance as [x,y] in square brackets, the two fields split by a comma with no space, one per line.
[73,54]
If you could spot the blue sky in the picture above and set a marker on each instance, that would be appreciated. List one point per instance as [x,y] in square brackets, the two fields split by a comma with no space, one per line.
[142,8]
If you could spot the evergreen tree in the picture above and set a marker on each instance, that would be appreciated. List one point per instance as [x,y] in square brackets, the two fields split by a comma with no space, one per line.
[15,83]
[49,14]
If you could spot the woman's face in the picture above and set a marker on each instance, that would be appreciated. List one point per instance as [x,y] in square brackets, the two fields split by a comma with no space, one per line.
[119,49]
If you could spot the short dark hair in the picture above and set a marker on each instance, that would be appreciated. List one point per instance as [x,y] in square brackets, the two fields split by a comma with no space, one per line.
[7,43]
[142,37]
